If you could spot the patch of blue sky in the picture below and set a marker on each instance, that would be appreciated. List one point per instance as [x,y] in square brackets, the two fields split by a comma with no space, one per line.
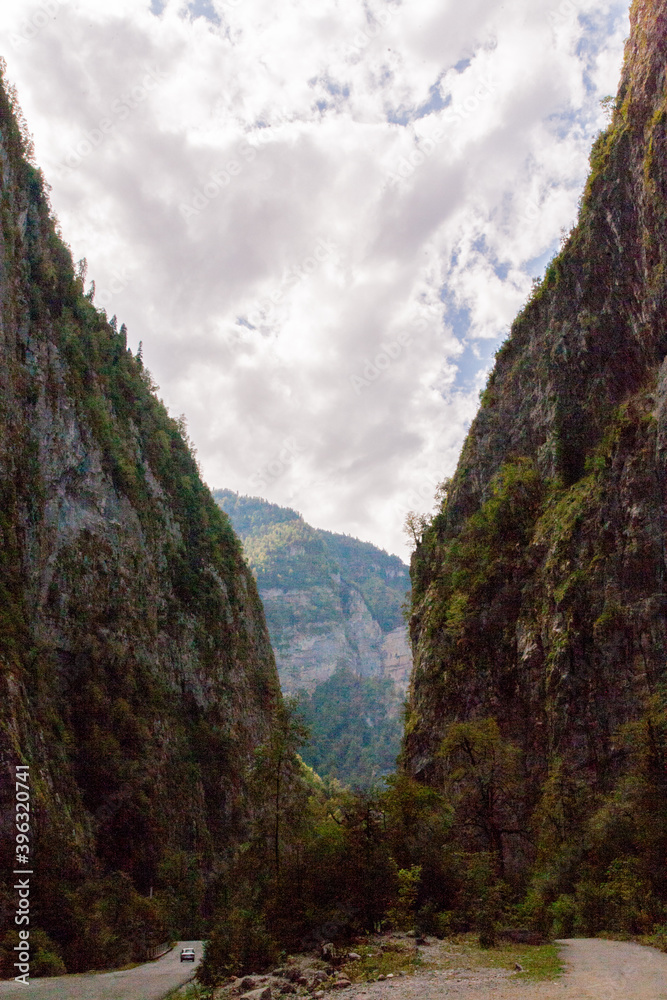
[536,266]
[157,6]
[561,123]
[203,8]
[477,358]
[479,244]
[456,317]
[435,102]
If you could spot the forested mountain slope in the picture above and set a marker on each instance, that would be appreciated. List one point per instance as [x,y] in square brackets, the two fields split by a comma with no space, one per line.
[330,600]
[538,625]
[137,676]
[334,610]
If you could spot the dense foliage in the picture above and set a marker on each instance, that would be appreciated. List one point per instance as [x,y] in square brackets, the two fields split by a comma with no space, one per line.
[313,583]
[355,728]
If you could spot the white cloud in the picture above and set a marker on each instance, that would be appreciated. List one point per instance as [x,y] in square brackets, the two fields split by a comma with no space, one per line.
[273,196]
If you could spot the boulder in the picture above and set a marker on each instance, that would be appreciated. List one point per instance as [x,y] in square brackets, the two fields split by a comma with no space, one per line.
[263,993]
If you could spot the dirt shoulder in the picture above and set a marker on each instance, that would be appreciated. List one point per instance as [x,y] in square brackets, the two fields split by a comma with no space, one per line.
[594,970]
[590,969]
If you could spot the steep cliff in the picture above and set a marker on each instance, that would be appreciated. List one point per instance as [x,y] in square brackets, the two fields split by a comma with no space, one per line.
[331,601]
[137,675]
[539,587]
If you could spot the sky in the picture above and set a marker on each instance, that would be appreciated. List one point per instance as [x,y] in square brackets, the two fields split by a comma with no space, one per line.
[319,217]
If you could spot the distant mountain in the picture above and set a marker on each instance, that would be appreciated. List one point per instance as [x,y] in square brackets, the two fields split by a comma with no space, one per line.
[333,608]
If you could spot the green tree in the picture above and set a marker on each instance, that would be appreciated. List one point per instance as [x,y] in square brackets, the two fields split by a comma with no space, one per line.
[279,770]
[482,780]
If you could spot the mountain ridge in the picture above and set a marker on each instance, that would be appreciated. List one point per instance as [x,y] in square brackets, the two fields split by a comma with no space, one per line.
[330,599]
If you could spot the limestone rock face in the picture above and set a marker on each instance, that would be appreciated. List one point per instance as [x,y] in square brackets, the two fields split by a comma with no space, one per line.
[137,675]
[539,590]
[397,658]
[331,601]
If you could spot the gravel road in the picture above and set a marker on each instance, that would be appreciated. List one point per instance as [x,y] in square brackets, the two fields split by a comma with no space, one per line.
[613,970]
[147,982]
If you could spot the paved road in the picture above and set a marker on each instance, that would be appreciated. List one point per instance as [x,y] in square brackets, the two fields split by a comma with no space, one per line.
[147,982]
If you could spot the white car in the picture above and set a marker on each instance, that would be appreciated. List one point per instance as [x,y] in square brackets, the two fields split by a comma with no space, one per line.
[187,954]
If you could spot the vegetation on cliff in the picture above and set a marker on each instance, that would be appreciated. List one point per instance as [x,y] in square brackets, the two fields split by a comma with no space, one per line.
[539,705]
[284,551]
[170,792]
[137,676]
[329,600]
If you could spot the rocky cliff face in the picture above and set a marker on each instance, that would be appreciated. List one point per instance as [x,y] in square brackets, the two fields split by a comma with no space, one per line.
[137,674]
[331,601]
[539,589]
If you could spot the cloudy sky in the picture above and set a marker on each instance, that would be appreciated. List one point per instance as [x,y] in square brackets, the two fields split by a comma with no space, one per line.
[319,216]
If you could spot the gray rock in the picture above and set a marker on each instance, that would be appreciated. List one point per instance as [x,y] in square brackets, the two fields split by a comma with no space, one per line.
[263,993]
[353,957]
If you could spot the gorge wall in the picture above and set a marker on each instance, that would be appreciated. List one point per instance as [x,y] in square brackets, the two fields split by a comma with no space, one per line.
[539,587]
[137,676]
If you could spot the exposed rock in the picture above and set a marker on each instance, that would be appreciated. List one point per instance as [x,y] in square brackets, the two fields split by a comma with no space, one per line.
[325,620]
[263,993]
[539,590]
[134,655]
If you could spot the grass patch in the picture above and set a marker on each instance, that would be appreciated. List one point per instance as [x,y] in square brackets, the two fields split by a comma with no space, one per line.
[382,959]
[191,991]
[537,961]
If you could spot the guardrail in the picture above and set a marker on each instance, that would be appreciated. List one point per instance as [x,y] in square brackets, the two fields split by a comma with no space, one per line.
[157,950]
